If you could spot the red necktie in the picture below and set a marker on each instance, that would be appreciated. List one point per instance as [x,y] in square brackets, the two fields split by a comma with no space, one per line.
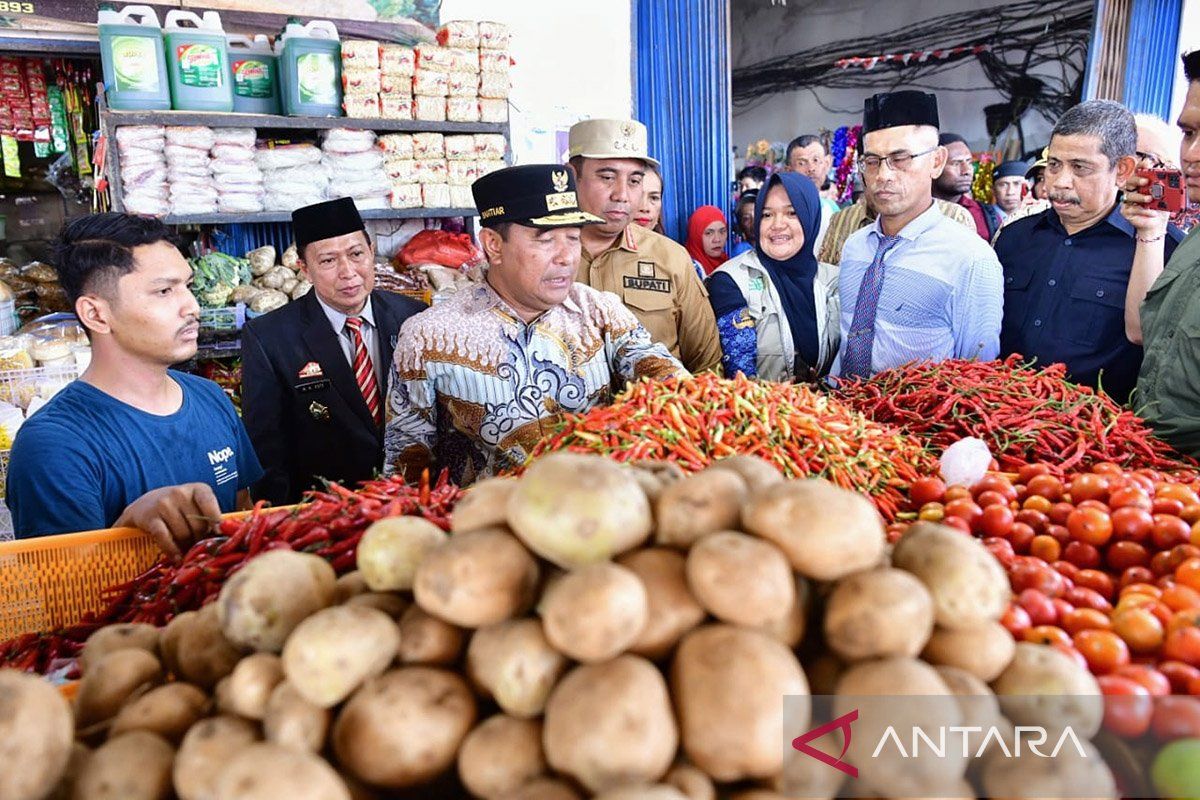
[364,370]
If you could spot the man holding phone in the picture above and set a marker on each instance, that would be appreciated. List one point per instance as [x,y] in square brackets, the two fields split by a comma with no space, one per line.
[1168,389]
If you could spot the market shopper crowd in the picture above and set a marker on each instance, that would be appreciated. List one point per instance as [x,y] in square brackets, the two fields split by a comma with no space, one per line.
[583,293]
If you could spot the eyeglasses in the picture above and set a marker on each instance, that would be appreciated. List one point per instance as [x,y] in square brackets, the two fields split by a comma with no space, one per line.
[1155,161]
[898,162]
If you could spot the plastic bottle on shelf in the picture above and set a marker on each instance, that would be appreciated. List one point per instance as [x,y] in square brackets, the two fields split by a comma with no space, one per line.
[310,69]
[131,55]
[197,62]
[254,70]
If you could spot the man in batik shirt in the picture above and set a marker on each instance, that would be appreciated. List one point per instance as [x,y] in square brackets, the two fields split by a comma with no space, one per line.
[480,378]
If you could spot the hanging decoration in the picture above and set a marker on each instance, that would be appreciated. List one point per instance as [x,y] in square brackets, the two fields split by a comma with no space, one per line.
[985,172]
[844,150]
[917,57]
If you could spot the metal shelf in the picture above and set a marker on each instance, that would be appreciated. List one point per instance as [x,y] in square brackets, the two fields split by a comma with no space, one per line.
[277,122]
[286,216]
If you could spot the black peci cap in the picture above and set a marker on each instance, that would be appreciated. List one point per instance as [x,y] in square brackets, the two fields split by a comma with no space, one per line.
[325,221]
[536,195]
[1011,169]
[893,109]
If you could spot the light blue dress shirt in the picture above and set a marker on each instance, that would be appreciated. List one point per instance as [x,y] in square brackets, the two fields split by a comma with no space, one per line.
[942,296]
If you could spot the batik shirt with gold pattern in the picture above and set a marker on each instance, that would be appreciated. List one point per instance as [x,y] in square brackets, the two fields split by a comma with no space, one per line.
[473,388]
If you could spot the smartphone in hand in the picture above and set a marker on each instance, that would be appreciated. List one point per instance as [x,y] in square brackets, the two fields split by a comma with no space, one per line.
[1166,189]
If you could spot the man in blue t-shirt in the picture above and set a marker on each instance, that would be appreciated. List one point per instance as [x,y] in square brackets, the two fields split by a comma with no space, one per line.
[132,442]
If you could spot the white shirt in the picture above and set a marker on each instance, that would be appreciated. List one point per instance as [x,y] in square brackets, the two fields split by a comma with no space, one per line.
[337,320]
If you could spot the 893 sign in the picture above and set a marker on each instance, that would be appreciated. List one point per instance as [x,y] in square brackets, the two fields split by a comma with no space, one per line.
[12,7]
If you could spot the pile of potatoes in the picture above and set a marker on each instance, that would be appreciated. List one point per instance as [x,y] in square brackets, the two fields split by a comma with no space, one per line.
[590,629]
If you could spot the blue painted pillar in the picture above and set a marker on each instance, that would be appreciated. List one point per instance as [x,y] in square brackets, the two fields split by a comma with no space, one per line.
[1151,55]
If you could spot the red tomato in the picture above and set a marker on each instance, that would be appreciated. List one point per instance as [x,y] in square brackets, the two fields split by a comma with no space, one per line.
[1031,573]
[1120,556]
[1132,524]
[1136,575]
[1016,621]
[1047,634]
[1188,573]
[1038,606]
[1035,502]
[957,522]
[1066,569]
[1155,682]
[1160,564]
[1169,531]
[1181,598]
[1021,536]
[927,490]
[1130,497]
[957,493]
[1167,505]
[965,509]
[1181,553]
[1029,471]
[1099,581]
[1179,674]
[1090,526]
[1107,468]
[1001,550]
[1128,706]
[1176,718]
[996,520]
[1140,629]
[1183,644]
[1046,548]
[1082,555]
[1096,504]
[990,498]
[1059,512]
[1104,650]
[1083,619]
[1060,533]
[995,483]
[1191,514]
[1088,487]
[1083,597]
[1034,519]
[1176,491]
[1194,537]
[1046,486]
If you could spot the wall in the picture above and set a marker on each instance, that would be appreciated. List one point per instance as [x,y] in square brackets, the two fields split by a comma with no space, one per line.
[760,30]
[573,62]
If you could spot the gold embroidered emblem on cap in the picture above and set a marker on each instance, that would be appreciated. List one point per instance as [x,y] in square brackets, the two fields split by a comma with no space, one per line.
[492,212]
[560,200]
[561,181]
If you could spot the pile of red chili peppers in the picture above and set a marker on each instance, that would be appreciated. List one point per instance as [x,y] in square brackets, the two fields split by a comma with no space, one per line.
[802,432]
[330,525]
[1025,415]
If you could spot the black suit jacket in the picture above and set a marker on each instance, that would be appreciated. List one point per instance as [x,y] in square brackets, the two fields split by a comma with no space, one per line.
[309,422]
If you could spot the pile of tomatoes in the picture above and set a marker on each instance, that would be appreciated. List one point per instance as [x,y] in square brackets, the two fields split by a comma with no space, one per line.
[1104,566]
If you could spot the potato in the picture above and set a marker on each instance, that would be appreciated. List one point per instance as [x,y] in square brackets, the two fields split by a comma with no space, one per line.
[268,772]
[36,731]
[112,680]
[349,585]
[484,505]
[334,651]
[700,504]
[740,579]
[251,684]
[292,721]
[739,677]
[545,789]
[826,532]
[574,509]
[1066,775]
[984,651]
[671,610]
[967,583]
[805,776]
[878,613]
[167,710]
[658,791]
[758,473]
[267,598]
[207,747]
[789,629]
[391,549]
[979,706]
[655,476]
[391,603]
[515,664]
[692,782]
[168,640]
[375,734]
[501,755]
[476,579]
[932,707]
[80,753]
[1044,687]
[610,724]
[425,639]
[137,635]
[132,766]
[823,673]
[202,653]
[594,613]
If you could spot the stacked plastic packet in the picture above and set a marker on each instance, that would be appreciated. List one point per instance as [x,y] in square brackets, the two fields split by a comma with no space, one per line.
[189,170]
[293,176]
[355,167]
[236,176]
[143,169]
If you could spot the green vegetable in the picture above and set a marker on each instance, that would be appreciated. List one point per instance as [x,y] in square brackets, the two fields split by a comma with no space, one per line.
[215,276]
[1176,770]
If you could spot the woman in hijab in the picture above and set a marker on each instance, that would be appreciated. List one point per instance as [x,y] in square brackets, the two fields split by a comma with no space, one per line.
[776,306]
[708,231]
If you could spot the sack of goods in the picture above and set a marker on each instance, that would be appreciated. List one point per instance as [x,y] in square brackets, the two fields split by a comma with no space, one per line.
[189,169]
[140,150]
[292,176]
[236,176]
[355,166]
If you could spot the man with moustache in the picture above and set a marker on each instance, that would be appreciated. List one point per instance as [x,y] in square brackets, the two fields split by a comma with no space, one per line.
[914,284]
[482,377]
[806,154]
[651,274]
[1067,269]
[132,442]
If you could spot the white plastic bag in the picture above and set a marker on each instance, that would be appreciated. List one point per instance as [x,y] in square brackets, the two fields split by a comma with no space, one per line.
[233,152]
[347,140]
[353,162]
[965,462]
[292,155]
[236,136]
[198,137]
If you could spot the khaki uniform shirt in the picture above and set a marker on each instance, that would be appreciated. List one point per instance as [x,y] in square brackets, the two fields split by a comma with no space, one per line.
[1168,388]
[855,217]
[655,279]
